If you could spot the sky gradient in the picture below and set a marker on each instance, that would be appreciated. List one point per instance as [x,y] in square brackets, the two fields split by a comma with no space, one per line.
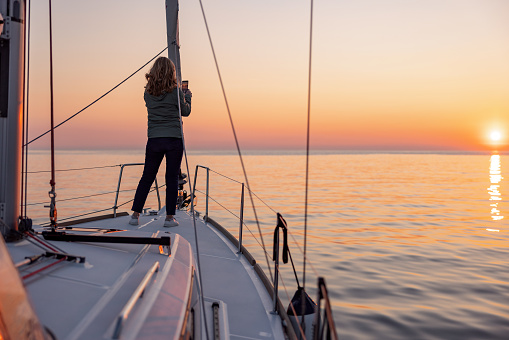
[387,75]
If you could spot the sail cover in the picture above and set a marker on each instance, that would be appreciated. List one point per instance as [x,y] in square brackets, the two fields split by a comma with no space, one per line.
[172,31]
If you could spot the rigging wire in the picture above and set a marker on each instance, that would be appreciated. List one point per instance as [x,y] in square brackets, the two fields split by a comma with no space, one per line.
[231,179]
[235,134]
[101,97]
[93,212]
[102,210]
[86,214]
[307,165]
[177,59]
[233,214]
[307,147]
[76,169]
[234,180]
[300,250]
[269,207]
[86,196]
[238,182]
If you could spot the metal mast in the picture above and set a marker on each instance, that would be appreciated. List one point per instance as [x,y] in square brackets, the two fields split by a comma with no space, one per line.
[11,109]
[172,30]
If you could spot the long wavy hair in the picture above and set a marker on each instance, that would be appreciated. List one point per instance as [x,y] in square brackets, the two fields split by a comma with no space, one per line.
[161,78]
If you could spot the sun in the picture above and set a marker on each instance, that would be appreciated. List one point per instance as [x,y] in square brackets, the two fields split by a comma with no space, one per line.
[495,136]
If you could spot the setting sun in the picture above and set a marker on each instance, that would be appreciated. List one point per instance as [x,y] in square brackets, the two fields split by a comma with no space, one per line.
[495,136]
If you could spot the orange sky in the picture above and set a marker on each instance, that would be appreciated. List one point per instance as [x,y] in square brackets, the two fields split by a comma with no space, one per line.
[392,74]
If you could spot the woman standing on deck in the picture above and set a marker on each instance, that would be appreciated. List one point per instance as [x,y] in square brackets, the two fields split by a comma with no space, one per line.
[164,136]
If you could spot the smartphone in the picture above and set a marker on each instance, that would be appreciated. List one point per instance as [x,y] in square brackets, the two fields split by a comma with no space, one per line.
[185,85]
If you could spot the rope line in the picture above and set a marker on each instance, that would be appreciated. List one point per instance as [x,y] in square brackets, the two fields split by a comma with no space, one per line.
[234,133]
[101,97]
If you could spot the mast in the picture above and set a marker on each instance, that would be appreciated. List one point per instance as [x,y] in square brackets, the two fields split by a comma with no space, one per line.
[172,31]
[11,109]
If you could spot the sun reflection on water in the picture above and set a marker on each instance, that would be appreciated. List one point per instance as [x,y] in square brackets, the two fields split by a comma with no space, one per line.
[493,190]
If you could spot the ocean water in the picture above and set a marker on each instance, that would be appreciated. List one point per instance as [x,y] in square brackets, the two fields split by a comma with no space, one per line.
[412,246]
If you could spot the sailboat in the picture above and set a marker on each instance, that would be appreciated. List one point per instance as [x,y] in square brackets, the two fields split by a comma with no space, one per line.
[101,278]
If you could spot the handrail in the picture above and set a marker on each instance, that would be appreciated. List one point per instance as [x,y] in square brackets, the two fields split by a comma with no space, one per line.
[116,192]
[207,194]
[326,325]
[122,166]
[124,314]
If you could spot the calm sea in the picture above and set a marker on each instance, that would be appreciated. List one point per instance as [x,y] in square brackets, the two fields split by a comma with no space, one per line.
[412,246]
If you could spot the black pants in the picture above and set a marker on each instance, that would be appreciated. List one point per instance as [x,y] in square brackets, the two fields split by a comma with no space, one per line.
[156,149]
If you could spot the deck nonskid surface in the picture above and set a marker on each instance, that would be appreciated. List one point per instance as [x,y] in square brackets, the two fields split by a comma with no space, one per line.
[228,277]
[82,300]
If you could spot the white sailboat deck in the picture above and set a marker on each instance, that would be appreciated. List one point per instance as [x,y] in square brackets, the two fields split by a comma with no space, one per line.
[84,300]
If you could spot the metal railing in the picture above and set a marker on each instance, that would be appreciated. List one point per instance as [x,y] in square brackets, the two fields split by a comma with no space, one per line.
[324,327]
[122,166]
[115,206]
[207,195]
[324,322]
[275,282]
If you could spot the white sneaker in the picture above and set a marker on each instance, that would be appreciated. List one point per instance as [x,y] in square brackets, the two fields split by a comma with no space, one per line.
[134,220]
[170,222]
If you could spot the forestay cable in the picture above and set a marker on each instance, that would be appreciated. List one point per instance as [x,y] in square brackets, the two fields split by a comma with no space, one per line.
[191,192]
[307,163]
[235,137]
[307,146]
[101,97]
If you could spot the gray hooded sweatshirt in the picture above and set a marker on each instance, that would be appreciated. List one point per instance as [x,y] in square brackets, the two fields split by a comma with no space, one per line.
[163,114]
